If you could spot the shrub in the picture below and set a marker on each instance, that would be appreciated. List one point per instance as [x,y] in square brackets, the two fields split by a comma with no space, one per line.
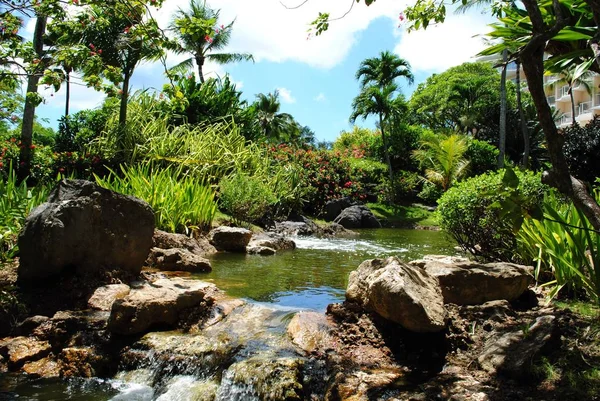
[581,149]
[245,198]
[565,247]
[465,212]
[180,202]
[482,157]
[16,201]
[430,193]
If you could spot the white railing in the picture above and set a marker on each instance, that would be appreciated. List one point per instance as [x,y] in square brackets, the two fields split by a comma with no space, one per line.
[563,91]
[597,99]
[584,107]
[565,119]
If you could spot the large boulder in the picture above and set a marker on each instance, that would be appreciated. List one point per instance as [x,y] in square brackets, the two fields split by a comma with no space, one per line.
[230,239]
[269,243]
[334,207]
[399,292]
[358,216]
[471,283]
[88,228]
[165,240]
[103,297]
[157,303]
[19,350]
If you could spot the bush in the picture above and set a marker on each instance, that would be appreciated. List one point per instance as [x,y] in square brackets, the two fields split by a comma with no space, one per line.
[245,198]
[581,149]
[76,131]
[565,247]
[482,157]
[430,193]
[180,202]
[466,213]
[16,201]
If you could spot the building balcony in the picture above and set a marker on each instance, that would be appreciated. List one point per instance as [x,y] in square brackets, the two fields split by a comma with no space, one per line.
[563,94]
[596,99]
[584,108]
[551,100]
[564,120]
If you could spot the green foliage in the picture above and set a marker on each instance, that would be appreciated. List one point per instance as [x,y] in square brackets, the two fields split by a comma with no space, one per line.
[482,157]
[181,203]
[274,126]
[442,158]
[430,193]
[16,201]
[77,131]
[565,247]
[245,198]
[466,213]
[581,149]
[403,216]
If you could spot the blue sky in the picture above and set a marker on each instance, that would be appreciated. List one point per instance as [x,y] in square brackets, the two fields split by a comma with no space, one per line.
[315,76]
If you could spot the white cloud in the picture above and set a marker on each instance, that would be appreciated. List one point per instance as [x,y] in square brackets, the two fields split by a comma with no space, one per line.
[320,97]
[271,32]
[445,45]
[81,98]
[286,95]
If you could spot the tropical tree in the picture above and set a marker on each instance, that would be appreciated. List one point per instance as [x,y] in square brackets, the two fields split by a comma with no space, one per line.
[199,33]
[373,100]
[572,79]
[274,125]
[443,158]
[383,70]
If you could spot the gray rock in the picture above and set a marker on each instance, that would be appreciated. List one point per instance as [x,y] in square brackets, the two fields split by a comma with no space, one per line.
[103,298]
[260,250]
[31,323]
[88,228]
[165,240]
[358,216]
[471,283]
[178,259]
[404,294]
[275,241]
[231,239]
[513,353]
[156,303]
[334,207]
[293,228]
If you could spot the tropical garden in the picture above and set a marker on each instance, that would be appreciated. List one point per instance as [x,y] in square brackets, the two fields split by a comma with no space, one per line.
[506,183]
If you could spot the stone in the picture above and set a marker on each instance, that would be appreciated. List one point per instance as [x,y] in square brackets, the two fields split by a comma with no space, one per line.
[437,258]
[512,353]
[230,239]
[45,368]
[260,250]
[358,216]
[81,362]
[334,207]
[311,332]
[30,324]
[88,228]
[360,384]
[471,283]
[294,228]
[178,259]
[165,240]
[156,303]
[20,350]
[398,292]
[272,379]
[275,241]
[103,297]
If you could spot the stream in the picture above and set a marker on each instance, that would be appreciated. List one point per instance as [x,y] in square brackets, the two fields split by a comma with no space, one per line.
[226,360]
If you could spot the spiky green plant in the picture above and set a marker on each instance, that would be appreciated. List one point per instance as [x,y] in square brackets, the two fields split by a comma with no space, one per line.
[180,201]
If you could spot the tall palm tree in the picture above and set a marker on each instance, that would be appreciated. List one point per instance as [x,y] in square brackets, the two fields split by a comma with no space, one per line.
[273,124]
[373,100]
[199,33]
[572,80]
[383,70]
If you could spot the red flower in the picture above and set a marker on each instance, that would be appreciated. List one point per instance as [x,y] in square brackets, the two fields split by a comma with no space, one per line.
[62,170]
[126,30]
[31,146]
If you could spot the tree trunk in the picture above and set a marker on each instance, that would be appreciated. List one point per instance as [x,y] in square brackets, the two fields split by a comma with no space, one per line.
[387,159]
[26,153]
[502,125]
[200,63]
[123,112]
[572,104]
[68,91]
[523,123]
[558,176]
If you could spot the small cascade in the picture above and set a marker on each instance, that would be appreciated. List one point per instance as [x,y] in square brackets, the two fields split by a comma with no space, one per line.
[348,245]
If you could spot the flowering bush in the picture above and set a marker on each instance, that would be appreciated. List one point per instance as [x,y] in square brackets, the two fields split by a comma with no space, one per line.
[326,174]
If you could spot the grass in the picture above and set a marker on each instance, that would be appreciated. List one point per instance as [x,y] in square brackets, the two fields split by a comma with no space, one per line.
[582,308]
[404,216]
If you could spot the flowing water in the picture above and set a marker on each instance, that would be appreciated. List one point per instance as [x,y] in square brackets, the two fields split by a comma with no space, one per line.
[225,362]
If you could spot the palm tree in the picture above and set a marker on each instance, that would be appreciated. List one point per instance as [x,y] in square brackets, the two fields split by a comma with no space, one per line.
[443,159]
[383,70]
[273,124]
[199,33]
[373,100]
[572,80]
